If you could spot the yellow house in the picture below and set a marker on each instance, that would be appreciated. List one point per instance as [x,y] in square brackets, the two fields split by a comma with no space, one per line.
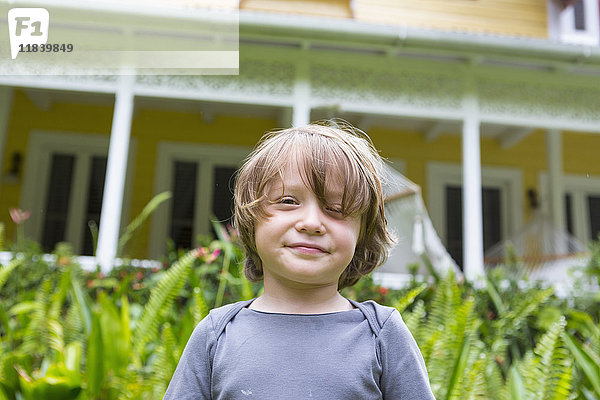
[477,101]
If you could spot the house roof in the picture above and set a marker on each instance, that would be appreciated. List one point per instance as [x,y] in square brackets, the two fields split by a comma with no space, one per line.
[355,34]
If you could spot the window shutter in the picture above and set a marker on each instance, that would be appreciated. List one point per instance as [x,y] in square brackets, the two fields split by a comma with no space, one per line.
[94,203]
[222,201]
[57,200]
[183,203]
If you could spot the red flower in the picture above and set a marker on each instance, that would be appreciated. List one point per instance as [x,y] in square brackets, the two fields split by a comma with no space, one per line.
[383,291]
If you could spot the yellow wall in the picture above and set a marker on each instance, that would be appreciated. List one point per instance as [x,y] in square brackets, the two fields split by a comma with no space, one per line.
[150,126]
[26,117]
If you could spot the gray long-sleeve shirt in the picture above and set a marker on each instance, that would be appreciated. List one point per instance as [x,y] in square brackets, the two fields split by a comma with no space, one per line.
[239,353]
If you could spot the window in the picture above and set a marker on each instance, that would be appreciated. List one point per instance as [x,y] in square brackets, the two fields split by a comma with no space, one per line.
[492,219]
[501,204]
[200,178]
[582,204]
[64,181]
[575,21]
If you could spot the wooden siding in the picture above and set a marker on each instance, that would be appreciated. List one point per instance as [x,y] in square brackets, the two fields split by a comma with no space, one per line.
[527,18]
[327,8]
[503,17]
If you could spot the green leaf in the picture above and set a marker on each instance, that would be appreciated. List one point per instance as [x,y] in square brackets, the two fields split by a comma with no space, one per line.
[139,220]
[516,385]
[83,304]
[95,371]
[115,342]
[590,368]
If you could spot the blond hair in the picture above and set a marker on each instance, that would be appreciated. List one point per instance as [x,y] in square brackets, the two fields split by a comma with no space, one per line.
[323,150]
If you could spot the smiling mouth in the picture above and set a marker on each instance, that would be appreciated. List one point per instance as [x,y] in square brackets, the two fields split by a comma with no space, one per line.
[307,248]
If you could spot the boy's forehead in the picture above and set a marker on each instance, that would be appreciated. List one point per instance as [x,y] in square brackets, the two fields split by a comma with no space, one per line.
[293,175]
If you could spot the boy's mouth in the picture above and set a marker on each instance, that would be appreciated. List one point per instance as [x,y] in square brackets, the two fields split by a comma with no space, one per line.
[307,247]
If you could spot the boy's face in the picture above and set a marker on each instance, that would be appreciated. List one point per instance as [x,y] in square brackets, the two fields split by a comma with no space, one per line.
[304,243]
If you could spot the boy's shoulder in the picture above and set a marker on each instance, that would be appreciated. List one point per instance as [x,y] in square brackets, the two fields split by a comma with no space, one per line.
[375,313]
[220,316]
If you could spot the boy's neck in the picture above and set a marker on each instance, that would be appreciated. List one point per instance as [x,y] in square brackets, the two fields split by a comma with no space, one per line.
[299,300]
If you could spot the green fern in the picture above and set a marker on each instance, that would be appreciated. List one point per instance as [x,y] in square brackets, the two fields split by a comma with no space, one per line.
[6,270]
[547,370]
[167,357]
[161,299]
[409,298]
[199,308]
[413,320]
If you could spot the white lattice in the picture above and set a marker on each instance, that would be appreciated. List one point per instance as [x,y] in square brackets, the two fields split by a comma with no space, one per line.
[539,101]
[258,78]
[365,85]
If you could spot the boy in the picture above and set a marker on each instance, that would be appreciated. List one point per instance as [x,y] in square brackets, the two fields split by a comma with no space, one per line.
[310,214]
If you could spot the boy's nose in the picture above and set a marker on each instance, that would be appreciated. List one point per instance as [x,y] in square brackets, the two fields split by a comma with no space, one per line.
[311,220]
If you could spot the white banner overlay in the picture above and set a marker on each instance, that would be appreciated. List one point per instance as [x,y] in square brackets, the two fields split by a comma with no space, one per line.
[164,41]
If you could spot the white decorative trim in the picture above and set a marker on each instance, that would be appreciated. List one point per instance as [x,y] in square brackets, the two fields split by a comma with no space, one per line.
[591,35]
[207,156]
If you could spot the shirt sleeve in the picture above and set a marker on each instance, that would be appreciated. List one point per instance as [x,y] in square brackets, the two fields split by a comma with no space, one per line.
[192,377]
[404,375]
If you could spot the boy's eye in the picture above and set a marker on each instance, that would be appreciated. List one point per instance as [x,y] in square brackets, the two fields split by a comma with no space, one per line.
[334,210]
[287,200]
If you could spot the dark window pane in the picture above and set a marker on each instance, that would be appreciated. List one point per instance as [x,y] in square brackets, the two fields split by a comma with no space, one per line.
[579,15]
[492,220]
[594,207]
[454,225]
[94,203]
[183,203]
[569,213]
[57,200]
[492,217]
[222,199]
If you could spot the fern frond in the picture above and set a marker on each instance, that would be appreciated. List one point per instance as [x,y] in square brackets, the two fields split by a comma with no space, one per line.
[161,298]
[34,339]
[408,298]
[521,309]
[413,320]
[547,370]
[167,357]
[199,309]
[73,326]
[6,270]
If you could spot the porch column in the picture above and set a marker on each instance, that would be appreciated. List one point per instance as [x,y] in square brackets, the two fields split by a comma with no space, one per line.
[6,99]
[301,106]
[472,209]
[116,168]
[555,178]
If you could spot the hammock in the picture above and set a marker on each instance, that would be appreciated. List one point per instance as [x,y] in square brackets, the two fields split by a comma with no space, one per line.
[408,220]
[540,251]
